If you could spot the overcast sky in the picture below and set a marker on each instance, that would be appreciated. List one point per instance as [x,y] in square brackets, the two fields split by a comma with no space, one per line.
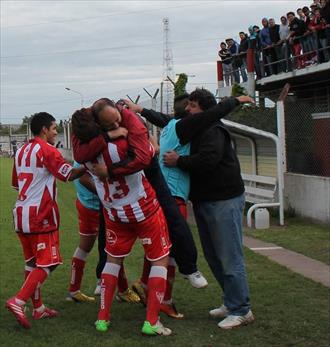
[111,48]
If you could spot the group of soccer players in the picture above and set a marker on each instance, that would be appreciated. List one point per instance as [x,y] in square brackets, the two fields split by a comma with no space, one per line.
[120,174]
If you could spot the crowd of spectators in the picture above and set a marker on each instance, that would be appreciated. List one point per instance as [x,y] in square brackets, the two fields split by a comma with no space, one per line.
[301,39]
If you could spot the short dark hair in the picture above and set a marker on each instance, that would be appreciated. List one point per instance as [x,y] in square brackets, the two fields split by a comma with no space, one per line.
[305,8]
[180,103]
[181,97]
[299,9]
[204,98]
[290,13]
[40,120]
[84,126]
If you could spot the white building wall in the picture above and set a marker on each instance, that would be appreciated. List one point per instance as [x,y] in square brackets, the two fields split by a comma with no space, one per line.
[308,195]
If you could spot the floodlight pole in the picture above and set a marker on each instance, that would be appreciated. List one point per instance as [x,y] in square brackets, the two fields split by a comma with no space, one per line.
[81,95]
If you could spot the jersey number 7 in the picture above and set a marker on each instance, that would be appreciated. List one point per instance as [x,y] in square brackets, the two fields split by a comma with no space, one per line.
[27,177]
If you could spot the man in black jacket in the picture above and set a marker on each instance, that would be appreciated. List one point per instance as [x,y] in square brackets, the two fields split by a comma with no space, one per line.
[274,33]
[217,194]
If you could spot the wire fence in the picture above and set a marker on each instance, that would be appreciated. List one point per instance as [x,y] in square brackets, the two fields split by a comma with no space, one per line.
[307,123]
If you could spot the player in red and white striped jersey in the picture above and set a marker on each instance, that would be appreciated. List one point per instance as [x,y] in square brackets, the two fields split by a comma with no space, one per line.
[36,217]
[127,199]
[132,211]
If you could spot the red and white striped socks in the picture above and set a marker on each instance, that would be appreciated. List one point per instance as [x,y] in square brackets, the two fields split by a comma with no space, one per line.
[77,270]
[109,279]
[33,282]
[156,291]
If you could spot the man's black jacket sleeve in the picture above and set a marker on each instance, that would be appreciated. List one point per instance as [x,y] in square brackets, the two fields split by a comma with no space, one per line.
[210,152]
[156,118]
[189,126]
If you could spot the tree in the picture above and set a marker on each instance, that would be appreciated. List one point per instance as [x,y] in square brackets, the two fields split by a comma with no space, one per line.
[263,118]
[237,90]
[60,127]
[180,85]
[23,127]
[4,129]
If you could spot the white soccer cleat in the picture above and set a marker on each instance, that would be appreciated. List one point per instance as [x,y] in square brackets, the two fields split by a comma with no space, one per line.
[231,322]
[154,330]
[196,279]
[97,290]
[220,312]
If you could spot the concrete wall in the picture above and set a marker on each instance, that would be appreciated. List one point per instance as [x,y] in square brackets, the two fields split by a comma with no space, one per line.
[308,195]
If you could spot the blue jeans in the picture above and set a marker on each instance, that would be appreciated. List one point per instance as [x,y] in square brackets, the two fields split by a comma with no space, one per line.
[220,229]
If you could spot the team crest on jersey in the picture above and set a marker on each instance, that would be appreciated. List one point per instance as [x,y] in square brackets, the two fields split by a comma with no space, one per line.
[64,169]
[111,237]
[41,246]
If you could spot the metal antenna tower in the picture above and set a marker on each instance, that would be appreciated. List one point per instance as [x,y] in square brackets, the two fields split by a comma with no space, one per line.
[168,70]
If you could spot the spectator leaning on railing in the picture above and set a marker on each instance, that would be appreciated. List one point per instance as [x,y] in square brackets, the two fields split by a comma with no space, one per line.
[225,56]
[254,43]
[325,14]
[267,48]
[243,47]
[297,29]
[274,33]
[317,26]
[284,33]
[235,59]
[300,14]
[309,41]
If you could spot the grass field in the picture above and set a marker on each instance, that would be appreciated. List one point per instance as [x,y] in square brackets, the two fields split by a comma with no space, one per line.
[290,310]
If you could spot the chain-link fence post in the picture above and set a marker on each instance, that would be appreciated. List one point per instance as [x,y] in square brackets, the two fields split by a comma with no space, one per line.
[281,149]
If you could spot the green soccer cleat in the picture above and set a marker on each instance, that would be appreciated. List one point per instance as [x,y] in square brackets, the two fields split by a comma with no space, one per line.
[102,325]
[154,330]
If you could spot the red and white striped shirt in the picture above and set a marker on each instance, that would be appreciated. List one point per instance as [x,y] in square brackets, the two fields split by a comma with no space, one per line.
[127,199]
[37,165]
